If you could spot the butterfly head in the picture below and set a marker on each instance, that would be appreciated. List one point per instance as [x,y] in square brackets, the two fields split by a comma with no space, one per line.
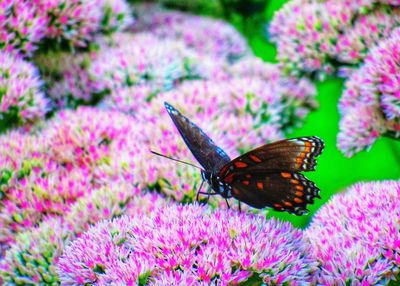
[217,184]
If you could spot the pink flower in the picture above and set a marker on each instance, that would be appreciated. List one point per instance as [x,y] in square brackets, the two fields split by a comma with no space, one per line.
[318,37]
[188,243]
[21,27]
[33,255]
[67,78]
[355,236]
[22,100]
[360,127]
[370,104]
[204,35]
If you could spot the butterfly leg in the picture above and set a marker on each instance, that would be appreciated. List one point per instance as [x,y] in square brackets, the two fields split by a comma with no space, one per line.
[240,207]
[199,191]
[227,203]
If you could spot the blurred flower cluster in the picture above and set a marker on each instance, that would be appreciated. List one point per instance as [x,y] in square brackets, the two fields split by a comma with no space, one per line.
[26,24]
[21,98]
[318,37]
[370,104]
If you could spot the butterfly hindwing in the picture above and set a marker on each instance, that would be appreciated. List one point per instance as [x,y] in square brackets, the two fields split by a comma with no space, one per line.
[282,191]
[210,156]
[294,155]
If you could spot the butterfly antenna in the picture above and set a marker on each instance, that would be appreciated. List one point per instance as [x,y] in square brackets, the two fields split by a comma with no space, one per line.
[173,159]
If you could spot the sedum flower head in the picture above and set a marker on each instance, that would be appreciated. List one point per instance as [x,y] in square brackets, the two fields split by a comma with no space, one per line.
[67,79]
[355,236]
[202,34]
[21,98]
[370,104]
[33,256]
[317,37]
[21,27]
[359,128]
[189,243]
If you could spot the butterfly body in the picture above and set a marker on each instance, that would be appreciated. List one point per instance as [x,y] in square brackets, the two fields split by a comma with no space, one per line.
[267,176]
[217,185]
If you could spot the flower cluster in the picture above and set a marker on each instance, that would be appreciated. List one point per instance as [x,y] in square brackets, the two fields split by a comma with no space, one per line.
[78,151]
[370,104]
[21,98]
[67,79]
[355,236]
[31,259]
[315,37]
[189,243]
[135,59]
[25,24]
[204,35]
[21,26]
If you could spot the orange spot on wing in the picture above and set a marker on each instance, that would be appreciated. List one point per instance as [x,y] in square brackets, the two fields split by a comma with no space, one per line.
[278,206]
[297,200]
[260,185]
[286,175]
[299,187]
[294,181]
[307,143]
[288,204]
[236,192]
[254,158]
[240,164]
[307,149]
[248,176]
[224,169]
[229,178]
[245,182]
[299,194]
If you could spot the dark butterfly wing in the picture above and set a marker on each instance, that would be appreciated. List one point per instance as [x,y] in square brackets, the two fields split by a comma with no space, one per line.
[283,191]
[210,156]
[294,155]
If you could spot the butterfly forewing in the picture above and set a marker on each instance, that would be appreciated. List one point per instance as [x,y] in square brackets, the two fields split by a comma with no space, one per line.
[295,155]
[210,156]
[283,191]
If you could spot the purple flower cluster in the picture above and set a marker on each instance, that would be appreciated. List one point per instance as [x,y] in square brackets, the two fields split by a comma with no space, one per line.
[356,236]
[45,173]
[190,244]
[21,98]
[21,26]
[316,37]
[370,104]
[32,258]
[24,24]
[204,35]
[67,78]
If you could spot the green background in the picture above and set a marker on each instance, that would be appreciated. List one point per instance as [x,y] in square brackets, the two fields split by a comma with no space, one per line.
[334,172]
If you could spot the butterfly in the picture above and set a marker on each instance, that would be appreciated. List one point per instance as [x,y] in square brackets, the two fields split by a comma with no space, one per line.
[268,176]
